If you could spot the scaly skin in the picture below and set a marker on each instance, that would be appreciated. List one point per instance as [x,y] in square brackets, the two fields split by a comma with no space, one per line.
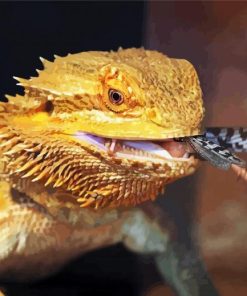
[61,196]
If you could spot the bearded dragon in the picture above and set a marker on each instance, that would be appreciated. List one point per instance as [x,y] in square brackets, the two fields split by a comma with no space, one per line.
[86,145]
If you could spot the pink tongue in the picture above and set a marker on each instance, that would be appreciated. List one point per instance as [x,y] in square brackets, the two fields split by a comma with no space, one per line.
[176,149]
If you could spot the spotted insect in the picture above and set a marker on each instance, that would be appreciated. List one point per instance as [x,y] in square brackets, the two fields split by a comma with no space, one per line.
[208,150]
[232,138]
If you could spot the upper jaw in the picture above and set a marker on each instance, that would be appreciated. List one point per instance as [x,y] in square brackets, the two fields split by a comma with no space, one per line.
[125,128]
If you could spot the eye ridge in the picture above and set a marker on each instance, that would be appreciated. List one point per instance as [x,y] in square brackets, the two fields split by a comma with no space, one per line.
[115,96]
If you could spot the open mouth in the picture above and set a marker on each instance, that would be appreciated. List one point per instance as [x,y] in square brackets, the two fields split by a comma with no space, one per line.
[155,151]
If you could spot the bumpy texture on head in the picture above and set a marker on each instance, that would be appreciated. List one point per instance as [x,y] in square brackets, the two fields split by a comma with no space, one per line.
[154,97]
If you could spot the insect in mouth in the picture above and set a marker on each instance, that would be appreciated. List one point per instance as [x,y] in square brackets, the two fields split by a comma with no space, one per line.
[209,148]
[217,155]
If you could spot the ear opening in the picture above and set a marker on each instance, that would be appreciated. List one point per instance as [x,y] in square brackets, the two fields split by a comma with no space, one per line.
[48,107]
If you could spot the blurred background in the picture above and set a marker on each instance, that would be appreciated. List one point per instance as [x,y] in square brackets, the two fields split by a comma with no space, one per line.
[212,203]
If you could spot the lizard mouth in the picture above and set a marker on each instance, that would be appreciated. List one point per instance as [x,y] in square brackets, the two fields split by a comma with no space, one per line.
[155,151]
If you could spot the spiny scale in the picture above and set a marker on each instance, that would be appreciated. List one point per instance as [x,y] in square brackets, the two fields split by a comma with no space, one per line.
[37,163]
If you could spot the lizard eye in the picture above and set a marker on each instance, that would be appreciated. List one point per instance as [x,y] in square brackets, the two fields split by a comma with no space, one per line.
[115,97]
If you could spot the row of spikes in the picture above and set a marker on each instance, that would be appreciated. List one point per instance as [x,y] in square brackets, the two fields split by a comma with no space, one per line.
[48,166]
[48,162]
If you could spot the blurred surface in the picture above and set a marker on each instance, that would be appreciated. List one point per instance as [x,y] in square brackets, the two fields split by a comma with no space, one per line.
[213,36]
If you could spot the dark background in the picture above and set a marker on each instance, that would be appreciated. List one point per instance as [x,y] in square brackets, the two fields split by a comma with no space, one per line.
[211,35]
[30,30]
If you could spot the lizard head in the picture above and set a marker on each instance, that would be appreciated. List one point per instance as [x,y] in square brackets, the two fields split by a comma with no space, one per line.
[100,125]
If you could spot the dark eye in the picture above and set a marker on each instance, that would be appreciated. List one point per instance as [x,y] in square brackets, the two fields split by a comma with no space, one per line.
[115,97]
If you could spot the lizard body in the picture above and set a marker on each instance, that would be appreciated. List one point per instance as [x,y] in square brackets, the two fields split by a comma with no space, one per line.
[89,140]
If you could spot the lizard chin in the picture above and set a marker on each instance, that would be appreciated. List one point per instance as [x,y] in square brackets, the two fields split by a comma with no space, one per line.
[154,151]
